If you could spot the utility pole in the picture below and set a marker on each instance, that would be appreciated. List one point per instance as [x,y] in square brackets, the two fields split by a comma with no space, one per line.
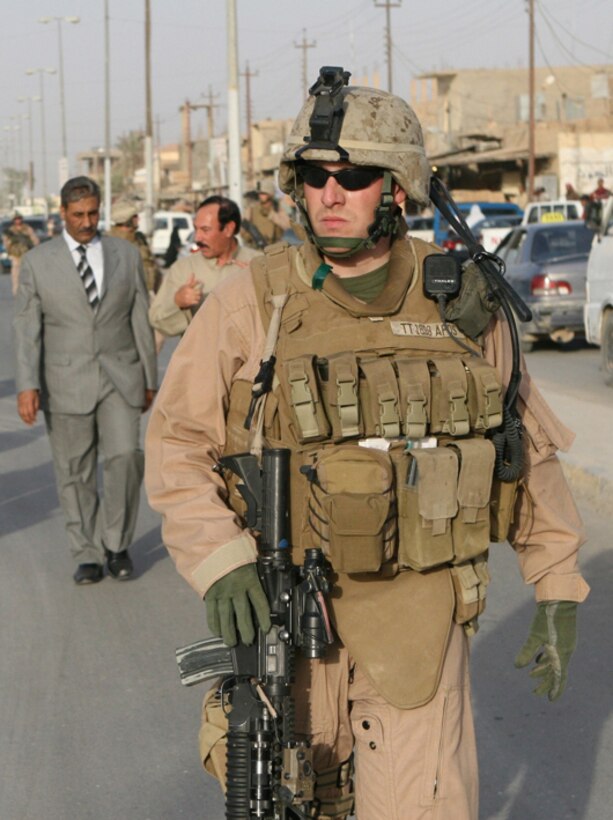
[188,144]
[186,130]
[235,175]
[149,195]
[248,75]
[210,119]
[305,46]
[388,37]
[107,120]
[531,102]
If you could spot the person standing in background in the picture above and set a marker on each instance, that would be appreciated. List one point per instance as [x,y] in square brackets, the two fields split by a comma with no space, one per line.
[86,357]
[19,238]
[264,221]
[188,282]
[124,216]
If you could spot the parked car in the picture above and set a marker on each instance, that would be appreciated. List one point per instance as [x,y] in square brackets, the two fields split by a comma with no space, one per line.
[546,263]
[598,309]
[488,232]
[163,224]
[421,227]
[558,210]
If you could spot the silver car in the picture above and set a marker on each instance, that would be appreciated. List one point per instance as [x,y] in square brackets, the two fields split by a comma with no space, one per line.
[546,264]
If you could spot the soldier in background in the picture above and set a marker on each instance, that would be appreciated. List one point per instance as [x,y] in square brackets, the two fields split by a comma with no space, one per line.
[264,221]
[124,216]
[18,239]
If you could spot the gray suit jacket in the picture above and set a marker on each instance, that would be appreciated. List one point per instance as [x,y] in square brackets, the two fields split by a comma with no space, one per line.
[60,340]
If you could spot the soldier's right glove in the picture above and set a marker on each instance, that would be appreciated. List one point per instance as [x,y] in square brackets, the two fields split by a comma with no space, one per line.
[552,638]
[229,603]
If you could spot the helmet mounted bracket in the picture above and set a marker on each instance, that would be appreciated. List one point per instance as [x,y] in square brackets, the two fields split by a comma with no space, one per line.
[326,120]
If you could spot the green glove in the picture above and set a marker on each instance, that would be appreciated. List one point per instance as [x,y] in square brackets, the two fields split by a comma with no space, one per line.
[228,605]
[553,635]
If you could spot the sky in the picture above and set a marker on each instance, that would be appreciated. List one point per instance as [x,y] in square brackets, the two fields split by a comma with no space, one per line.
[189,57]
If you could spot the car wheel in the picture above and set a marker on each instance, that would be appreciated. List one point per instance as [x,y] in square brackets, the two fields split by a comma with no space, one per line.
[607,347]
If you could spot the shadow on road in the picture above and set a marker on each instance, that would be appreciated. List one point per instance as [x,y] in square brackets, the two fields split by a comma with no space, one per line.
[525,742]
[147,551]
[28,497]
[20,438]
[7,388]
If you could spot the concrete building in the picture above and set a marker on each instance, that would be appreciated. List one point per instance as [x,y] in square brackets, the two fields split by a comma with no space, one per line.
[476,127]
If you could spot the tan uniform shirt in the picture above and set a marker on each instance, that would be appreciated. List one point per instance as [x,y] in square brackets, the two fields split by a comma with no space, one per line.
[149,264]
[164,314]
[269,223]
[186,435]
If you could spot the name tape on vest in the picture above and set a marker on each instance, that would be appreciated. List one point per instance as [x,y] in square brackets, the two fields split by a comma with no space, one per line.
[435,330]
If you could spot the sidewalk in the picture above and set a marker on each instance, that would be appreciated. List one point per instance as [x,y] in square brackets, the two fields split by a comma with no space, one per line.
[589,463]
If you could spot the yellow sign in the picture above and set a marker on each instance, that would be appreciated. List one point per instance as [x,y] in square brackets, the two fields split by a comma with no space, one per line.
[553,216]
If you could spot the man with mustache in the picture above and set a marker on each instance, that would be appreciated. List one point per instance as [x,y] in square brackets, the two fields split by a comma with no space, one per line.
[85,356]
[191,278]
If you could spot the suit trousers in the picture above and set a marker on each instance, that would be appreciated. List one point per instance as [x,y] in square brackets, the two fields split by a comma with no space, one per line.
[98,521]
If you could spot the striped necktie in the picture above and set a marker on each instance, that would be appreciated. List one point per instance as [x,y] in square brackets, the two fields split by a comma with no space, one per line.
[87,276]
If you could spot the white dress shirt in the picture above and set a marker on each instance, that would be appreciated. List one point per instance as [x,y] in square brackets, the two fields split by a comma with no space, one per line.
[94,256]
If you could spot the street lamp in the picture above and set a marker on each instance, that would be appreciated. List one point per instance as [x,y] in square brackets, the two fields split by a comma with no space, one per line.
[40,72]
[64,171]
[28,116]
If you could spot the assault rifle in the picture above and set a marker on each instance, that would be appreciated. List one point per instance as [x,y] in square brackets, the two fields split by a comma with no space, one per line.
[269,771]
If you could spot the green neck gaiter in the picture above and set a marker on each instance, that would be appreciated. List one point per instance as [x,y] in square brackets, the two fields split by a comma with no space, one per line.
[367,286]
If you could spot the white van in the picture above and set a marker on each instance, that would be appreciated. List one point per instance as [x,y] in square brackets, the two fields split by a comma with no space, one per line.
[557,210]
[598,309]
[163,224]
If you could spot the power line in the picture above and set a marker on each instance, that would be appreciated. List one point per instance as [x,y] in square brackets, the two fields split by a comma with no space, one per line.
[571,35]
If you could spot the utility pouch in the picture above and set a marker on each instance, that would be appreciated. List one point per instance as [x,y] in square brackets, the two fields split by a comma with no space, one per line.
[427,501]
[449,395]
[470,582]
[474,306]
[484,394]
[502,508]
[414,383]
[303,398]
[350,508]
[341,396]
[471,527]
[379,398]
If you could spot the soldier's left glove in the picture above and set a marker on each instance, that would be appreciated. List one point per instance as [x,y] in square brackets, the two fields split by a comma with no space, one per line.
[552,639]
[230,602]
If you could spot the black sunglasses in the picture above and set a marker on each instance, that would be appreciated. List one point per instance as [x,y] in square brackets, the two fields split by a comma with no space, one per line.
[351,179]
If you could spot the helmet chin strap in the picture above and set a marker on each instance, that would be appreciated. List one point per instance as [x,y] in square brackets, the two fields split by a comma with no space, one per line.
[385,224]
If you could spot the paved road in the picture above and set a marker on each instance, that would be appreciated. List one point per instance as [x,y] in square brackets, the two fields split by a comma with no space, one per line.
[94,723]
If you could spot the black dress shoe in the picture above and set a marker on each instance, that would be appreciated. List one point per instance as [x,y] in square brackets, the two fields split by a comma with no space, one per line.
[119,565]
[88,574]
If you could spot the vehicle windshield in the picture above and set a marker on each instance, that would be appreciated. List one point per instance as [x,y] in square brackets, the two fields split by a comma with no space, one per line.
[160,223]
[552,244]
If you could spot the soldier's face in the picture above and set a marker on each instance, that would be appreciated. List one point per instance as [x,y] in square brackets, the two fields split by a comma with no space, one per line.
[212,240]
[81,218]
[335,211]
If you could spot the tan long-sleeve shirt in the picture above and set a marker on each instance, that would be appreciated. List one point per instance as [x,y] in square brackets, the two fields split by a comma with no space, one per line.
[164,314]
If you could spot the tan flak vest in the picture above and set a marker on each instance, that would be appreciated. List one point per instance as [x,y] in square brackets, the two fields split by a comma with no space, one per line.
[404,521]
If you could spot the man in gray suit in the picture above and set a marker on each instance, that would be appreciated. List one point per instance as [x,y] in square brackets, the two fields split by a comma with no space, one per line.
[86,357]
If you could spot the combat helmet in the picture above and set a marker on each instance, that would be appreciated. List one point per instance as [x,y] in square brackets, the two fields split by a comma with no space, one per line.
[363,126]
